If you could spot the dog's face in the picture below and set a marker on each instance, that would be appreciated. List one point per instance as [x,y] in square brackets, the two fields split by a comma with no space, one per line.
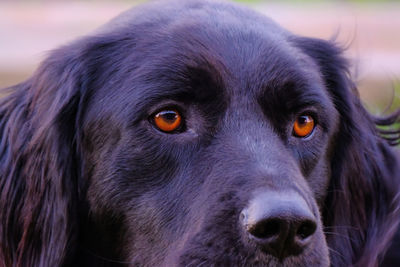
[220,124]
[196,133]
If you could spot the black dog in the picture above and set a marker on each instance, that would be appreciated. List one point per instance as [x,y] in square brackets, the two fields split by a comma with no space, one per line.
[194,134]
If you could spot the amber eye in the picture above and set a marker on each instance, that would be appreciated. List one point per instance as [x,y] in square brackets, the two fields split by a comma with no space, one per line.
[303,126]
[168,120]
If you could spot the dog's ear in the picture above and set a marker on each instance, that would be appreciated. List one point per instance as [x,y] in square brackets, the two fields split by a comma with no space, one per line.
[361,210]
[40,162]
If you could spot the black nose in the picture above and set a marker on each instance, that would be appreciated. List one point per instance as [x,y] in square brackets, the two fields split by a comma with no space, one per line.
[280,224]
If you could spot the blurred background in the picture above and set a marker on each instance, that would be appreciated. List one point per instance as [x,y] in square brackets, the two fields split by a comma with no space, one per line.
[370,29]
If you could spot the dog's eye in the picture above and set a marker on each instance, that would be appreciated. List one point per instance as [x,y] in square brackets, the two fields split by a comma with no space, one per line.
[303,126]
[167,120]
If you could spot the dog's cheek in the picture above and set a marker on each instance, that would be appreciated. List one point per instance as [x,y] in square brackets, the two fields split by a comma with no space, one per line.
[313,157]
[158,221]
[140,180]
[318,179]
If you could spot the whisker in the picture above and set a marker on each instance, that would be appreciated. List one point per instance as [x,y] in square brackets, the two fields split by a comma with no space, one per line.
[336,252]
[340,235]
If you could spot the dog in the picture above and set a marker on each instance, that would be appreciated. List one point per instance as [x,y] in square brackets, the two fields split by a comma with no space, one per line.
[195,133]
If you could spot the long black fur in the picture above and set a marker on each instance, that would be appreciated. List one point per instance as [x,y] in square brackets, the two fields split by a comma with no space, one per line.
[86,179]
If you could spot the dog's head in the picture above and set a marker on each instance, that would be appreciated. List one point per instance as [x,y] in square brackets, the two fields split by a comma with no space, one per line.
[198,133]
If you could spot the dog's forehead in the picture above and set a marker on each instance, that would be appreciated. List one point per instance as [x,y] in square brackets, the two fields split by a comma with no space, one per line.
[244,50]
[235,38]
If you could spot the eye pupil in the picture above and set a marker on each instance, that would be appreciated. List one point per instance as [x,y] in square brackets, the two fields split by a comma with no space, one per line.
[169,116]
[302,120]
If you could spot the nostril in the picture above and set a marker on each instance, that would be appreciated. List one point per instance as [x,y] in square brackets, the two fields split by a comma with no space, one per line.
[279,224]
[306,229]
[266,229]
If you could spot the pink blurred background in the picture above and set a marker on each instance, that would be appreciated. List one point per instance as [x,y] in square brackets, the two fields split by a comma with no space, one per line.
[371,31]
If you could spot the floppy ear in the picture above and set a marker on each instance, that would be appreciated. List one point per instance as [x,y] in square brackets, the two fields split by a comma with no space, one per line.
[361,210]
[40,163]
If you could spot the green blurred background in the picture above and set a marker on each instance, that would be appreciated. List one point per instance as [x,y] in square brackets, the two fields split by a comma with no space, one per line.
[369,28]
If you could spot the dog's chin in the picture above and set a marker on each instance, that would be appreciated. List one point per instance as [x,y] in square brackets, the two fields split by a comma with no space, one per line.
[207,256]
[219,251]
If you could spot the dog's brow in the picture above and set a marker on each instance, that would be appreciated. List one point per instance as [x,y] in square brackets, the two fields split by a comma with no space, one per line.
[189,83]
[294,97]
[295,94]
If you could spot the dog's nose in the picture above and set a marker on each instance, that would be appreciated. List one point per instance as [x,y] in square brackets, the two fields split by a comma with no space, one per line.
[280,224]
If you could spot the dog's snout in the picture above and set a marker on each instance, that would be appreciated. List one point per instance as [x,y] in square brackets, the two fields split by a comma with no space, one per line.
[281,225]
